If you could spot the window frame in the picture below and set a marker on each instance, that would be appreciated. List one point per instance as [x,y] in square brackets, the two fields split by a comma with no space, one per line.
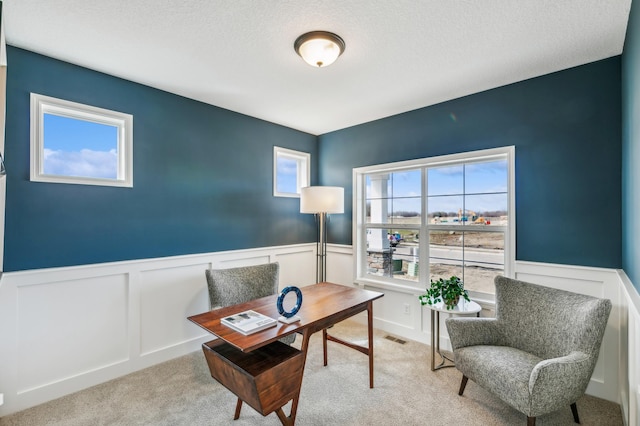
[360,220]
[41,105]
[303,177]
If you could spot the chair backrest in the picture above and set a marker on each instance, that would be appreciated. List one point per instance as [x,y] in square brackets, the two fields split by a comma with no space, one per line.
[548,322]
[238,285]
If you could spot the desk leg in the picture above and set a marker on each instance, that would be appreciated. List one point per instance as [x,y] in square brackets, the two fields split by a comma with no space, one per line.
[286,421]
[291,420]
[370,354]
[236,416]
[324,345]
[368,350]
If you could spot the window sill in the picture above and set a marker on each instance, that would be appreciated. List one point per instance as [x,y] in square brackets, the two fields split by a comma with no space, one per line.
[408,289]
[487,301]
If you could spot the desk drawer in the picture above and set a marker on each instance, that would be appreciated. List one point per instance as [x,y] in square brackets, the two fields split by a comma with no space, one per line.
[266,378]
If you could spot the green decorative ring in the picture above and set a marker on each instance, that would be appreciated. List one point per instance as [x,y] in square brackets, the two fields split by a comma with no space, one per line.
[296,308]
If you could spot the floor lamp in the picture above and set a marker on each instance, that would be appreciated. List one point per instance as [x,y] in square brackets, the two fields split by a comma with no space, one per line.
[321,201]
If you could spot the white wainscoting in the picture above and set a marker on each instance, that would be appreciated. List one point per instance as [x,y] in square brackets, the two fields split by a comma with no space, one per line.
[629,376]
[66,329]
[597,282]
[399,313]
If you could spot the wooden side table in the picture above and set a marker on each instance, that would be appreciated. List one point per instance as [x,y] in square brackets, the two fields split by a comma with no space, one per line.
[463,308]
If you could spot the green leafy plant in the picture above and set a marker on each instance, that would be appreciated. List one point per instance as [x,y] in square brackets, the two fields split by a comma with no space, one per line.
[447,291]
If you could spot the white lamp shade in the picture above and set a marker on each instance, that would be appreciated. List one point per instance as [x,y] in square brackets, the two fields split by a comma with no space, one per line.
[322,199]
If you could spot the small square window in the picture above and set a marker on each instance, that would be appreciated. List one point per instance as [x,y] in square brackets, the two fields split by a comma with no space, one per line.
[81,144]
[290,172]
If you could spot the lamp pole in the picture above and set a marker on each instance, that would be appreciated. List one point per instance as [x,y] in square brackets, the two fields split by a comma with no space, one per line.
[321,248]
[321,201]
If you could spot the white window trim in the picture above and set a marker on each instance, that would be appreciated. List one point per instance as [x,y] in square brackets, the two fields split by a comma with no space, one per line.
[304,172]
[41,105]
[359,204]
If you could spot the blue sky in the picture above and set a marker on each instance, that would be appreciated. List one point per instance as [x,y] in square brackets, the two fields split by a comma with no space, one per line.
[74,147]
[287,174]
[484,183]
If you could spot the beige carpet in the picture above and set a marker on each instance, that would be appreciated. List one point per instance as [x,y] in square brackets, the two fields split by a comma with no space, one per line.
[407,392]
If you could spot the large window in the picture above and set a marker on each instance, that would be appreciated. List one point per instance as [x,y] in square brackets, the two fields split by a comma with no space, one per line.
[436,217]
[75,143]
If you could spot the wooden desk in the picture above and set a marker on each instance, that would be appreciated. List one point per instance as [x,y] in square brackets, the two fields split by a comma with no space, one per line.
[323,305]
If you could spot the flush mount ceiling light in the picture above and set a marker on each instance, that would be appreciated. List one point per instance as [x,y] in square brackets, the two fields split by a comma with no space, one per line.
[319,48]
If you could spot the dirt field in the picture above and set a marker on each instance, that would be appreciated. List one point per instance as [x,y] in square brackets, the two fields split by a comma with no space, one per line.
[471,239]
[453,238]
[475,278]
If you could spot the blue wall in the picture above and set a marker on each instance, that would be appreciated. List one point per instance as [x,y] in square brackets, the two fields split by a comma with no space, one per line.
[202,177]
[566,130]
[631,148]
[201,173]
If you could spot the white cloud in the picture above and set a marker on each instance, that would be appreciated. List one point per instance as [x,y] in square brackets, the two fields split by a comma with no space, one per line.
[287,166]
[85,163]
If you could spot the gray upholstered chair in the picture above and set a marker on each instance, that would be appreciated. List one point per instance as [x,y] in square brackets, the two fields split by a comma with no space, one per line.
[539,352]
[238,285]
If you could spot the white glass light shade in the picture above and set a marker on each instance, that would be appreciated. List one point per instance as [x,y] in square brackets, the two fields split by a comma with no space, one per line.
[319,48]
[322,199]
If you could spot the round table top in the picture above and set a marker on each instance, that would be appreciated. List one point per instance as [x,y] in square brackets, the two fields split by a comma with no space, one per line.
[463,308]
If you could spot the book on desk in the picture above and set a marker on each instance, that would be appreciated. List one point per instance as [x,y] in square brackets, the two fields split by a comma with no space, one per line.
[248,322]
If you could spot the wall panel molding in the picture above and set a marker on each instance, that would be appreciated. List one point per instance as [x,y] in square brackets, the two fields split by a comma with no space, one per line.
[151,299]
[596,282]
[390,316]
[629,373]
[99,322]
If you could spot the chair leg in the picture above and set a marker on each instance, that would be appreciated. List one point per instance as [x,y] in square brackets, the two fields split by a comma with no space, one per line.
[574,410]
[531,421]
[463,384]
[236,416]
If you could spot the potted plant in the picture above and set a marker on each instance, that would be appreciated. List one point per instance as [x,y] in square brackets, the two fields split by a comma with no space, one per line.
[447,291]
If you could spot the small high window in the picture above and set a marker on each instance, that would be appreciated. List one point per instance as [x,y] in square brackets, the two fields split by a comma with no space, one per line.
[80,144]
[290,172]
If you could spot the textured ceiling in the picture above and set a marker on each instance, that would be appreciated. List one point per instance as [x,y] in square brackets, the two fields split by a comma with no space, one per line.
[400,55]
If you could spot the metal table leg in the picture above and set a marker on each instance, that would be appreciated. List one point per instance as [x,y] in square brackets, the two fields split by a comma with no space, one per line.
[435,343]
